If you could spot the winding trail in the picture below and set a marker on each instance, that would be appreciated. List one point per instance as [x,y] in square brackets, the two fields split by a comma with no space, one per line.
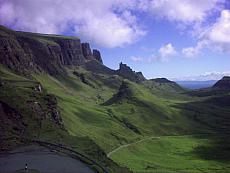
[127,145]
[149,138]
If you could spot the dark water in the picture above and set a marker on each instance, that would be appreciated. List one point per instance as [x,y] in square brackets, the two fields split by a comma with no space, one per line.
[42,160]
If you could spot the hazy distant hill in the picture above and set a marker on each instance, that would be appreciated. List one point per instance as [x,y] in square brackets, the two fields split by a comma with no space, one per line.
[196,84]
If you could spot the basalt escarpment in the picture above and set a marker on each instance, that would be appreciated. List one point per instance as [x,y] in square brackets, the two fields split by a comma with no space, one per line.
[29,52]
[26,53]
[97,55]
[86,50]
[126,72]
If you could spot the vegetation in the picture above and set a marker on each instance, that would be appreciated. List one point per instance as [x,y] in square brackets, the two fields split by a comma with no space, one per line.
[95,110]
[176,154]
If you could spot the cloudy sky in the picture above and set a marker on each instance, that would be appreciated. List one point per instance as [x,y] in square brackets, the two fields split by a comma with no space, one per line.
[161,38]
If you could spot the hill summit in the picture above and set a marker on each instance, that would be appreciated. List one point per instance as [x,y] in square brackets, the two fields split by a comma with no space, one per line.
[224,83]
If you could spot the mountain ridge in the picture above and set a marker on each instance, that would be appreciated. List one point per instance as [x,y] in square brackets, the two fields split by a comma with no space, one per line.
[69,99]
[24,52]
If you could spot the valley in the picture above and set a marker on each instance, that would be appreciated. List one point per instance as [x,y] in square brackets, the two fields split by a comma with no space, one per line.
[50,90]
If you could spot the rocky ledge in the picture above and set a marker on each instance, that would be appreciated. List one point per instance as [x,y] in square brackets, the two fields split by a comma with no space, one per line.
[25,52]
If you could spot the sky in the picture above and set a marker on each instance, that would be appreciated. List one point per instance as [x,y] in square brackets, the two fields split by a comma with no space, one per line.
[176,39]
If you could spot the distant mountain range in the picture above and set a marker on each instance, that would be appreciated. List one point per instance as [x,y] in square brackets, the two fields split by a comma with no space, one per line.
[196,84]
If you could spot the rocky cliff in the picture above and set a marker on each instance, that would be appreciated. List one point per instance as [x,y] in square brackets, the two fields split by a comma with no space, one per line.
[26,52]
[97,55]
[126,72]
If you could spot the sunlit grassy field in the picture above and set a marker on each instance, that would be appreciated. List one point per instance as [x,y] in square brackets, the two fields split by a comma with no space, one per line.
[176,154]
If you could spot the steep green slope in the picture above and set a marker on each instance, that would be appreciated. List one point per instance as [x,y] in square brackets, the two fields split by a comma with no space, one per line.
[29,113]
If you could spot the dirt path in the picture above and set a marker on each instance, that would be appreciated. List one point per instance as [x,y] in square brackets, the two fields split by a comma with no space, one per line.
[42,159]
[127,145]
[149,138]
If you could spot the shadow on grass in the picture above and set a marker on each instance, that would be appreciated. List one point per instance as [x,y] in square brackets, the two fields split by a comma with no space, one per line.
[218,149]
[212,116]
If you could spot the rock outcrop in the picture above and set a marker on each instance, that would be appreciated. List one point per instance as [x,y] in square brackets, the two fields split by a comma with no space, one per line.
[126,72]
[26,52]
[87,53]
[97,55]
[223,84]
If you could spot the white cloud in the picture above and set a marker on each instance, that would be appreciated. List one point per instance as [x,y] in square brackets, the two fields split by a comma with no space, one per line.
[115,23]
[136,58]
[166,52]
[213,75]
[185,11]
[218,35]
[95,20]
[190,52]
[214,37]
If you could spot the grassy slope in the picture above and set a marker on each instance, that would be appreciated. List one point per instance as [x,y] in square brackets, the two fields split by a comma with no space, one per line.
[81,113]
[16,92]
[207,153]
[186,154]
[109,126]
[148,110]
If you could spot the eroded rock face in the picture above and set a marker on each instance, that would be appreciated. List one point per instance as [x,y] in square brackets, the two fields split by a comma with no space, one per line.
[52,110]
[12,54]
[30,52]
[126,72]
[87,51]
[97,55]
[71,52]
[44,56]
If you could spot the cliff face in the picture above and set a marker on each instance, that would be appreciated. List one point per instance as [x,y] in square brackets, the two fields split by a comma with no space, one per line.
[29,52]
[26,52]
[71,51]
[86,50]
[126,72]
[97,55]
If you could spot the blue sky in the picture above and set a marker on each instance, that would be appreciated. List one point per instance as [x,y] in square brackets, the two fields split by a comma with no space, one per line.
[177,39]
[162,32]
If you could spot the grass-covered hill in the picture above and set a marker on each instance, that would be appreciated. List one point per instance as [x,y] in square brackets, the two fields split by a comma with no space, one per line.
[115,117]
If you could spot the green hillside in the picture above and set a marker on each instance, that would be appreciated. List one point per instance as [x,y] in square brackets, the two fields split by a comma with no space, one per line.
[116,119]
[173,154]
